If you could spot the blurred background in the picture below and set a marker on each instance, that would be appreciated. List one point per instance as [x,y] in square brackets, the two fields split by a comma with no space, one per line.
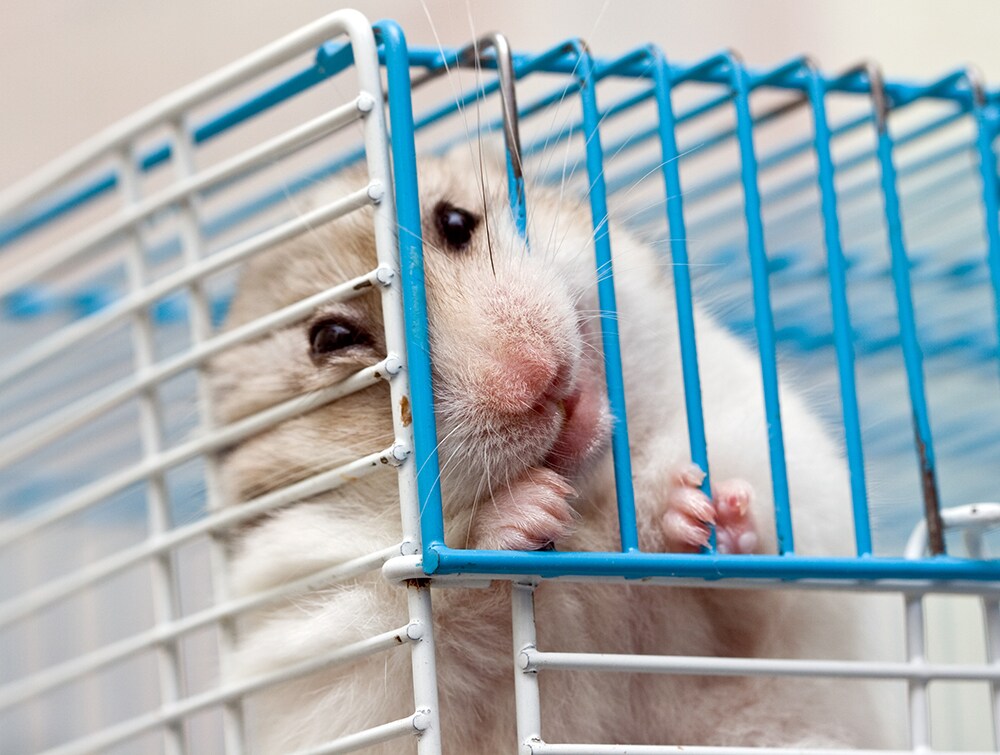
[70,67]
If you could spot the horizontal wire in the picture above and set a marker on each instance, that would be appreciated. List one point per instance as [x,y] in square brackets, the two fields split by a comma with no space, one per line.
[51,592]
[214,440]
[78,331]
[182,101]
[77,248]
[102,740]
[586,749]
[373,736]
[533,660]
[54,426]
[39,683]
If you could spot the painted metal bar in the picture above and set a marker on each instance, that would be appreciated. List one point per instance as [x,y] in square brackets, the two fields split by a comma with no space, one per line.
[223,437]
[717,666]
[393,222]
[608,306]
[919,705]
[76,332]
[986,123]
[526,694]
[599,749]
[763,319]
[402,727]
[329,62]
[175,105]
[842,332]
[53,426]
[681,269]
[511,132]
[912,356]
[194,248]
[105,739]
[52,209]
[47,594]
[710,567]
[411,266]
[991,611]
[78,248]
[166,603]
[20,690]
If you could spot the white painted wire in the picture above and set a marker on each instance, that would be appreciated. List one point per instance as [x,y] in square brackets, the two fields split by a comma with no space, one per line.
[166,601]
[150,376]
[50,347]
[167,714]
[22,690]
[200,329]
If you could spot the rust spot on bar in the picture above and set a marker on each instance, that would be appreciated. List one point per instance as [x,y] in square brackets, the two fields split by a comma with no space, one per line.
[404,410]
[932,506]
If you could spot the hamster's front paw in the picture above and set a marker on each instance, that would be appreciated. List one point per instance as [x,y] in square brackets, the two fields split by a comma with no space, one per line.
[688,514]
[527,515]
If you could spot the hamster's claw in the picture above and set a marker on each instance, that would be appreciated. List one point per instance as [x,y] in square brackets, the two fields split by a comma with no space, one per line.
[689,514]
[530,514]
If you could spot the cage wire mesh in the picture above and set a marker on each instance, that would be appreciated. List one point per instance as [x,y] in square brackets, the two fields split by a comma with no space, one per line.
[117,618]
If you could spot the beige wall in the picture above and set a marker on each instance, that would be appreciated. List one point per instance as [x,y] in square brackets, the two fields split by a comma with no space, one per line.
[70,67]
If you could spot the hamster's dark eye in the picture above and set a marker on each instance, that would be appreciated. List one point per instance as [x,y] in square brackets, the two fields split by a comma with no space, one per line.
[455,224]
[328,336]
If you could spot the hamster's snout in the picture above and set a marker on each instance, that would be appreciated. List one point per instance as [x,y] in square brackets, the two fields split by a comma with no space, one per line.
[526,379]
[514,369]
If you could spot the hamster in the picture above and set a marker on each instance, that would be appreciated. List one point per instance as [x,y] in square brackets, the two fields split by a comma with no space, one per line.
[523,424]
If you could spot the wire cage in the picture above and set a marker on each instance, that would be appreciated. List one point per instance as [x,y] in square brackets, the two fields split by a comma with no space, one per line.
[843,225]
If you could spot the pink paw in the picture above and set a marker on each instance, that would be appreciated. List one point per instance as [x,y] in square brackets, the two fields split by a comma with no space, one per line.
[528,515]
[689,514]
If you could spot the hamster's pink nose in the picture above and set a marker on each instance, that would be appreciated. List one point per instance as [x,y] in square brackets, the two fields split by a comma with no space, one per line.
[525,381]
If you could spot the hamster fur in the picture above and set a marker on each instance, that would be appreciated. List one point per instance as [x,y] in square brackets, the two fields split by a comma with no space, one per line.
[515,341]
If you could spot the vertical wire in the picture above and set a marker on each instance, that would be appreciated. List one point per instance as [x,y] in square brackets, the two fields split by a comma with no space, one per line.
[164,592]
[393,224]
[414,295]
[912,356]
[527,701]
[200,328]
[842,332]
[763,317]
[681,271]
[986,124]
[920,724]
[606,298]
[991,627]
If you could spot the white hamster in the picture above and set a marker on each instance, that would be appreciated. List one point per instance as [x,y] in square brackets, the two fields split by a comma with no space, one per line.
[523,425]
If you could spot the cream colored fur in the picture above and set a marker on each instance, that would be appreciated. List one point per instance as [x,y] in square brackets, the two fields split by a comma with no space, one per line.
[482,316]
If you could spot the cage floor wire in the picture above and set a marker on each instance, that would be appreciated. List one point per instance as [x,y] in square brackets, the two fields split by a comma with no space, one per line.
[167,282]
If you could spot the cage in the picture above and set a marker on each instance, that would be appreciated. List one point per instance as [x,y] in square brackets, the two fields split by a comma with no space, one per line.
[840,223]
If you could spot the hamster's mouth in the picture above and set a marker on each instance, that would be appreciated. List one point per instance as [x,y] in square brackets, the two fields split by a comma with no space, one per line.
[584,427]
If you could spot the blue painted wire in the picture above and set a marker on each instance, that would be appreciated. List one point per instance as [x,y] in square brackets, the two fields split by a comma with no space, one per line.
[608,306]
[414,294]
[764,321]
[912,357]
[985,131]
[841,317]
[681,271]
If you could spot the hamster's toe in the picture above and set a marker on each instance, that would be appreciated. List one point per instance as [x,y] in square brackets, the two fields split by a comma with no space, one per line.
[734,527]
[529,514]
[689,514]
